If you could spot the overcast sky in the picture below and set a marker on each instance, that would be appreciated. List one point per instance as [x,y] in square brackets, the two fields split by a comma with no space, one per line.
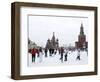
[66,29]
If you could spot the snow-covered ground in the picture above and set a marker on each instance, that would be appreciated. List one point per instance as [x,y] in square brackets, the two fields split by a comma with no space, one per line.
[54,60]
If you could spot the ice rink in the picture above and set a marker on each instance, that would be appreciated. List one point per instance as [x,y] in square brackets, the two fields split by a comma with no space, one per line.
[54,60]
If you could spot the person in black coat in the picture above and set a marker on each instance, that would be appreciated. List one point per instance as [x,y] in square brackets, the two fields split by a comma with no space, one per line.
[62,51]
[46,52]
[50,52]
[66,55]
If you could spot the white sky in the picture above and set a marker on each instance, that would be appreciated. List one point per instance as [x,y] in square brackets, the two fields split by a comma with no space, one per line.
[66,29]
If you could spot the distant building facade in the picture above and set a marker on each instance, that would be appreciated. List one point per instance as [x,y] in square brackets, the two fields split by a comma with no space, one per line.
[31,44]
[81,43]
[53,43]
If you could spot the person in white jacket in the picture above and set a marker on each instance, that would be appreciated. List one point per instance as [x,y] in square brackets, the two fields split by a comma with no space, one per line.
[41,54]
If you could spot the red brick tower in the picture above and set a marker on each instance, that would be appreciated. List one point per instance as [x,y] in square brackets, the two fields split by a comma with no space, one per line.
[81,43]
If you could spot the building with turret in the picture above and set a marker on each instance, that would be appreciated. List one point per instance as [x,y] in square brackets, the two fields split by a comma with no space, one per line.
[32,44]
[81,43]
[53,43]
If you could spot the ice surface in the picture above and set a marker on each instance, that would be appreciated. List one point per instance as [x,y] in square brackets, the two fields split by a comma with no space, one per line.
[54,60]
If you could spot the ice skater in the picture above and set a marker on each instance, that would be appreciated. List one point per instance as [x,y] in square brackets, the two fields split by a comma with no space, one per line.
[33,52]
[50,52]
[59,50]
[86,51]
[37,52]
[66,55]
[62,53]
[55,51]
[46,50]
[78,55]
[41,54]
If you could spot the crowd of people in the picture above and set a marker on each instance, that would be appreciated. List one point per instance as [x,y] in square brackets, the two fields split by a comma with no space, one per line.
[61,51]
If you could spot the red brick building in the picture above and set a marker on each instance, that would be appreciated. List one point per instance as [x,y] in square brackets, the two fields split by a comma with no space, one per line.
[53,43]
[81,43]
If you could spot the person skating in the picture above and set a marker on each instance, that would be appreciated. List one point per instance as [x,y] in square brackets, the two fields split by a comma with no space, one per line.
[37,52]
[86,51]
[41,54]
[46,52]
[59,50]
[78,55]
[62,51]
[66,55]
[55,51]
[33,52]
[50,51]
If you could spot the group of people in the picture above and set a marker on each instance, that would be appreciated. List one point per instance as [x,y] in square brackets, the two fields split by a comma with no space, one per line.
[62,52]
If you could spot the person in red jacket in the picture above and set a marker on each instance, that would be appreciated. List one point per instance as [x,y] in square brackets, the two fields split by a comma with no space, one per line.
[33,52]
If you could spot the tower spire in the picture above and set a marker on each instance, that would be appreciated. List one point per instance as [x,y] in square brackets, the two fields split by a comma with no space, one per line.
[53,33]
[81,29]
